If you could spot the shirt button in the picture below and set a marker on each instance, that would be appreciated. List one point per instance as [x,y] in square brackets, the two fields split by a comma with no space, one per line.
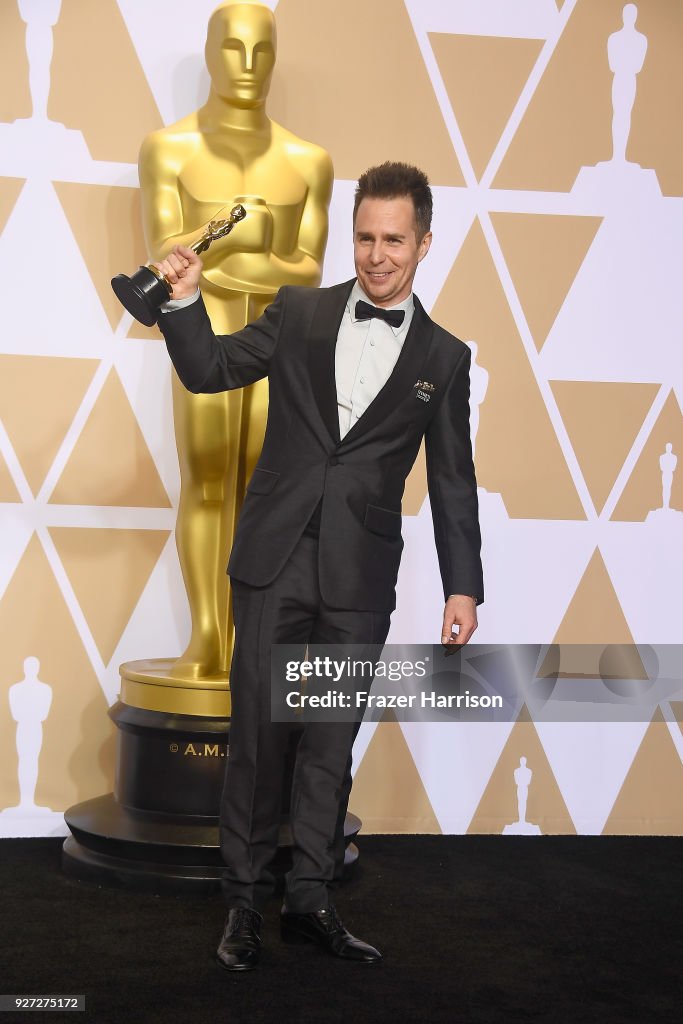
[362,380]
[372,343]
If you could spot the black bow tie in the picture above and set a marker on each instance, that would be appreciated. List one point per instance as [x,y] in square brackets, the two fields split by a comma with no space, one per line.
[393,317]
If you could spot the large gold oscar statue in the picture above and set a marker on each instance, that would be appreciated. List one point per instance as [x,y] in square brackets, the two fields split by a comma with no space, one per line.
[226,152]
[158,830]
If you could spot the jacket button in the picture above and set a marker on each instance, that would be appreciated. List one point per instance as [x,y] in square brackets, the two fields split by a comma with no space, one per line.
[334,461]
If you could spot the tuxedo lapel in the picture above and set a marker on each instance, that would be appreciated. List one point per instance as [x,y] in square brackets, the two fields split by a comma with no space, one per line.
[403,376]
[325,326]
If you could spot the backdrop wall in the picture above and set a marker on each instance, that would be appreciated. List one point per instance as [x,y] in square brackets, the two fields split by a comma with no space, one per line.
[563,265]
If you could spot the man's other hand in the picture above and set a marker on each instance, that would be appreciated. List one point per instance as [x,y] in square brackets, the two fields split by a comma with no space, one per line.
[460,611]
[182,269]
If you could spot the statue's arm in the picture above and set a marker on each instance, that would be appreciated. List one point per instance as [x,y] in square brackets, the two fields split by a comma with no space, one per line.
[319,175]
[162,213]
[303,265]
[643,51]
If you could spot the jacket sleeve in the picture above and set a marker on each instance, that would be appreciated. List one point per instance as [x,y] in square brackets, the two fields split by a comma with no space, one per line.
[206,362]
[453,488]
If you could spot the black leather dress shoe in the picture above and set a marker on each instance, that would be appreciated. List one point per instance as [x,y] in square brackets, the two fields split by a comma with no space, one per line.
[324,928]
[241,943]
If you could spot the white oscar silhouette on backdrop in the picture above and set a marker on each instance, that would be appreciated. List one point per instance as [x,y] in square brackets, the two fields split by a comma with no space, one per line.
[35,138]
[668,461]
[522,827]
[626,50]
[479,383]
[30,701]
[40,16]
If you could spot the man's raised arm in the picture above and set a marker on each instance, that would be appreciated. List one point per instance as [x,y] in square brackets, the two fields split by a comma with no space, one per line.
[206,362]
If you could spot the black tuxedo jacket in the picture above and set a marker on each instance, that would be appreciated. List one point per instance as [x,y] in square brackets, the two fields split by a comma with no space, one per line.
[359,478]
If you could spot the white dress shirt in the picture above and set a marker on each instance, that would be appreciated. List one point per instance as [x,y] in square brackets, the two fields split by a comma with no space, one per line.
[365,355]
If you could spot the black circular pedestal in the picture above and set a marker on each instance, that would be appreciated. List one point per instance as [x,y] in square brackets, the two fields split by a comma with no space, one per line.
[141,294]
[158,830]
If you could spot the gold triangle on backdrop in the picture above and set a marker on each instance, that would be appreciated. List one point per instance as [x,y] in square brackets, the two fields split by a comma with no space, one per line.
[650,801]
[8,490]
[483,76]
[39,397]
[544,253]
[118,244]
[139,331]
[545,804]
[365,61]
[114,121]
[602,420]
[111,463]
[15,96]
[568,122]
[594,615]
[388,793]
[10,189]
[643,490]
[108,570]
[518,455]
[77,754]
[677,709]
[594,620]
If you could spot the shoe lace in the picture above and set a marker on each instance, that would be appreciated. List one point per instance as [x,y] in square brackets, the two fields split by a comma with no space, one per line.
[243,918]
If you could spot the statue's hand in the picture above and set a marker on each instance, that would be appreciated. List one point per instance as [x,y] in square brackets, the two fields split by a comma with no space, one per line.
[182,269]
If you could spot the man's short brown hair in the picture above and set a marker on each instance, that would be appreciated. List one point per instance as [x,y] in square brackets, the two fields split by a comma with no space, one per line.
[392,180]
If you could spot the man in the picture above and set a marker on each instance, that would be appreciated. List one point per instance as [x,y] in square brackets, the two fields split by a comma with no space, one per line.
[358,375]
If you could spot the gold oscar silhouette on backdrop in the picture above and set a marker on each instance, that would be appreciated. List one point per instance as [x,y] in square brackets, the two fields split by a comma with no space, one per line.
[226,152]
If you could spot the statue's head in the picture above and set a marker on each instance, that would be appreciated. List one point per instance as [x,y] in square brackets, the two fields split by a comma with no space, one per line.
[669,446]
[47,11]
[240,52]
[31,668]
[629,14]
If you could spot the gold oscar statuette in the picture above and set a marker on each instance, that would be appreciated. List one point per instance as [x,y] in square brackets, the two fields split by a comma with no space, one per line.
[147,289]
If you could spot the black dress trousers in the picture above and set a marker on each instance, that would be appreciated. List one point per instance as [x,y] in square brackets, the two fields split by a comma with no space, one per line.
[288,611]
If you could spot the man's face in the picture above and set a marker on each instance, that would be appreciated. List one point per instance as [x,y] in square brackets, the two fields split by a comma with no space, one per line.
[386,249]
[240,53]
